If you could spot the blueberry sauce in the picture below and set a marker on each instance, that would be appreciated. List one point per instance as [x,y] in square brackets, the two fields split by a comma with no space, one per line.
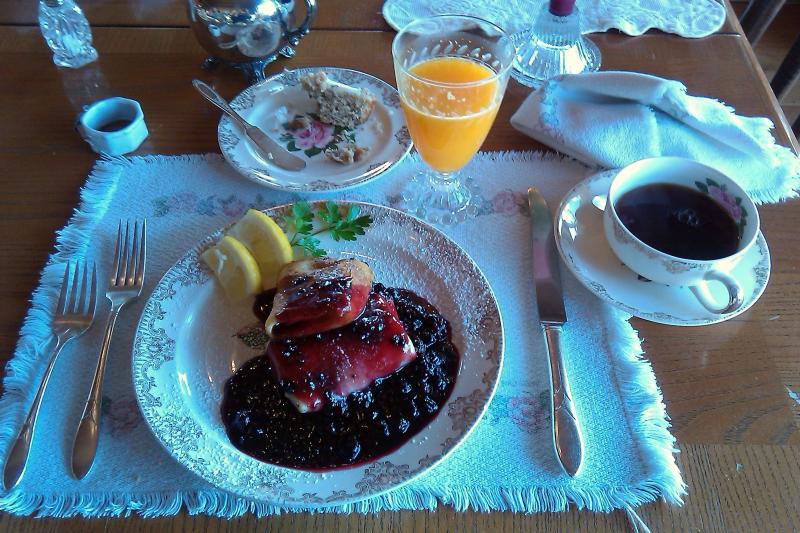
[261,422]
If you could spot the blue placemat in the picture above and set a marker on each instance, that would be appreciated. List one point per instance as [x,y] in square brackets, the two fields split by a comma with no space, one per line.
[508,463]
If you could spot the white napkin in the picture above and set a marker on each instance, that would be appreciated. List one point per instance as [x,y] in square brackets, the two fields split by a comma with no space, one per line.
[611,119]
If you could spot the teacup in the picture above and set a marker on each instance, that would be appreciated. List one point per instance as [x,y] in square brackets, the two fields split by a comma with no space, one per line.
[662,267]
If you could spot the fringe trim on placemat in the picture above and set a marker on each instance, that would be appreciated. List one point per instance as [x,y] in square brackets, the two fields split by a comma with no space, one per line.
[646,413]
[23,369]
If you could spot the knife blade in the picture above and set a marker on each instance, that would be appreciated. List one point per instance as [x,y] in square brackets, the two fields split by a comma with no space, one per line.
[265,147]
[552,317]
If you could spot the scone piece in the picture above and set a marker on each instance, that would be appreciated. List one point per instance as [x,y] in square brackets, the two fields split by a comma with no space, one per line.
[346,154]
[339,104]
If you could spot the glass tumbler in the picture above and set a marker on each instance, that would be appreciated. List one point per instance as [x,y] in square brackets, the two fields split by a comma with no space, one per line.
[451,71]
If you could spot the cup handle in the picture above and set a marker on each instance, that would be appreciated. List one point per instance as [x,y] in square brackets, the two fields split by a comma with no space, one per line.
[703,295]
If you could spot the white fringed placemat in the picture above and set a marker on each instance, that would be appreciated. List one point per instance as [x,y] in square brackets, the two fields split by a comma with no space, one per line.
[508,463]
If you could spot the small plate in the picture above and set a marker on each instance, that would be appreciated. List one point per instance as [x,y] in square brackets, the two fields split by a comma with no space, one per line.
[190,340]
[275,102]
[583,246]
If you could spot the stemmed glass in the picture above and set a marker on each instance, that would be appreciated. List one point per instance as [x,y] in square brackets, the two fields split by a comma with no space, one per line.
[451,71]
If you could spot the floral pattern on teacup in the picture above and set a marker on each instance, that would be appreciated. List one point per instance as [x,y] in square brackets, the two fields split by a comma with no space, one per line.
[729,201]
[307,133]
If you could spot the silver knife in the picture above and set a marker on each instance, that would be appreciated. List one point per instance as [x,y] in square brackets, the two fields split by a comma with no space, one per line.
[552,316]
[268,149]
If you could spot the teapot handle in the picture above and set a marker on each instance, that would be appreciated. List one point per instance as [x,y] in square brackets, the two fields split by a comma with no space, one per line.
[294,35]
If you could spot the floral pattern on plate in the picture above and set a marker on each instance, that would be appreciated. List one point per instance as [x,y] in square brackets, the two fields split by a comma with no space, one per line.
[307,133]
[269,105]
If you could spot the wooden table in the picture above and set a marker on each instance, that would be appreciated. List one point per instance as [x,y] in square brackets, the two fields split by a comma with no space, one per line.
[726,386]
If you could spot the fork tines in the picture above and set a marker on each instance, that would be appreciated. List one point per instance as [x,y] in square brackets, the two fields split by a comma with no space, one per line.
[72,299]
[130,255]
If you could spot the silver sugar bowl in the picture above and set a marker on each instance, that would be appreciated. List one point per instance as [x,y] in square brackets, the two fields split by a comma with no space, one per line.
[248,34]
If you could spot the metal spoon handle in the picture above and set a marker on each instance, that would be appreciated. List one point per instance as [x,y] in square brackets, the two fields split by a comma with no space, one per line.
[18,457]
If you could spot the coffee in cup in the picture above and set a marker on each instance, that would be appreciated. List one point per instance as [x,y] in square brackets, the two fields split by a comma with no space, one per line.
[678,222]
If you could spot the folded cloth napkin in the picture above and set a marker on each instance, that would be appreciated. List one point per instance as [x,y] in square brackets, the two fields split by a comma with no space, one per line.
[611,119]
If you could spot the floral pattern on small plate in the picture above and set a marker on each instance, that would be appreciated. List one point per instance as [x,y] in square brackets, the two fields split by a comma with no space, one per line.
[582,244]
[274,103]
[307,133]
[190,340]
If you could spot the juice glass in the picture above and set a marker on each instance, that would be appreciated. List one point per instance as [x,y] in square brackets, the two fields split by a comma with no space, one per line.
[451,71]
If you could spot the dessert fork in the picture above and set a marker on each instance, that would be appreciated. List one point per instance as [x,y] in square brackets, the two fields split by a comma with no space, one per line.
[74,314]
[125,284]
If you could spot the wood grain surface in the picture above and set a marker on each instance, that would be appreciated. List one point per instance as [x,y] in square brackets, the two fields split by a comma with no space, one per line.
[331,14]
[725,386]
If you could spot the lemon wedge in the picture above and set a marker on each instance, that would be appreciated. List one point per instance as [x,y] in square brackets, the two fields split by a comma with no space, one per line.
[234,267]
[266,241]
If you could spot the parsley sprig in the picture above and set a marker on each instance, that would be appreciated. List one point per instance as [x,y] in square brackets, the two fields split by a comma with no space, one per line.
[305,223]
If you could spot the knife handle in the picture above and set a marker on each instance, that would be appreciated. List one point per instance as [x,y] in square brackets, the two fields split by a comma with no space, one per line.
[566,433]
[214,97]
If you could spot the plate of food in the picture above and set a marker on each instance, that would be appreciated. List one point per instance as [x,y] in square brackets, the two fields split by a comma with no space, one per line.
[318,353]
[347,125]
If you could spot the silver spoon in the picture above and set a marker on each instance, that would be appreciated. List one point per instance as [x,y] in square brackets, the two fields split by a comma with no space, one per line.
[266,148]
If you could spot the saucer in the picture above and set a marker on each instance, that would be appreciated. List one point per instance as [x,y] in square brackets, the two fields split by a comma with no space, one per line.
[273,106]
[585,250]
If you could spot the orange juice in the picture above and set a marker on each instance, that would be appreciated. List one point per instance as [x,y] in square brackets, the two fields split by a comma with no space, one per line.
[448,123]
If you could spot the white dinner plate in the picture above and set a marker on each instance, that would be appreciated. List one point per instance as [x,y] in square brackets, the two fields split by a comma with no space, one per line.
[585,250]
[272,105]
[190,340]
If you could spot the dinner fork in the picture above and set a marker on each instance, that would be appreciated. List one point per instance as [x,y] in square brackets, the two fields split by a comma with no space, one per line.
[125,285]
[73,315]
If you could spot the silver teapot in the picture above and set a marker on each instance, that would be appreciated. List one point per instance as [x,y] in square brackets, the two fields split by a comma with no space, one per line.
[248,34]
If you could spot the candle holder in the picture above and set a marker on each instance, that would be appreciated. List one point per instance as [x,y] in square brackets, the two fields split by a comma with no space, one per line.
[554,46]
